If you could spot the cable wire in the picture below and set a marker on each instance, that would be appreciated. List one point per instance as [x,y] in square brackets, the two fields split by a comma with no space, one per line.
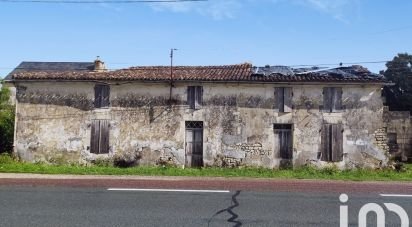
[99,1]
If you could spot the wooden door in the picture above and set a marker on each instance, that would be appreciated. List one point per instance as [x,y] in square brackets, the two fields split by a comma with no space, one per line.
[283,140]
[194,144]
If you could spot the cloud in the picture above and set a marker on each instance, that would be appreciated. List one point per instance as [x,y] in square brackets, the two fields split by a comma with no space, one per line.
[338,9]
[229,9]
[219,9]
[110,7]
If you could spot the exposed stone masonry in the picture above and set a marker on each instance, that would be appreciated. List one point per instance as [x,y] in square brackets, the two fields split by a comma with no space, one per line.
[382,139]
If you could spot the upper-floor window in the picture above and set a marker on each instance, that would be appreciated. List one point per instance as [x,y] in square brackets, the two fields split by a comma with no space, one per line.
[101,95]
[283,99]
[194,97]
[332,99]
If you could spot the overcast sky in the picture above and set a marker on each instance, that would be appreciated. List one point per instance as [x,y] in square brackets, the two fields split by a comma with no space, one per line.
[275,32]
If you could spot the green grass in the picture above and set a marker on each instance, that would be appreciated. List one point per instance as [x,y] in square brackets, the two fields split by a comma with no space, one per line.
[8,165]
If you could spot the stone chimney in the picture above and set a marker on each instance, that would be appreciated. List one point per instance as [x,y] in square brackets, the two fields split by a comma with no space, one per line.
[99,65]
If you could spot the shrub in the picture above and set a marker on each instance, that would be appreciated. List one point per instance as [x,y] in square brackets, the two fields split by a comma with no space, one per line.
[6,159]
[103,162]
[6,121]
[126,159]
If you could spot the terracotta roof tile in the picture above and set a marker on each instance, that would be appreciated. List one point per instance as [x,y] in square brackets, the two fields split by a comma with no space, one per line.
[230,73]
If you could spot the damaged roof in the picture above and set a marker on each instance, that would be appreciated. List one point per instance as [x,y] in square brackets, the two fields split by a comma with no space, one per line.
[27,68]
[354,73]
[226,73]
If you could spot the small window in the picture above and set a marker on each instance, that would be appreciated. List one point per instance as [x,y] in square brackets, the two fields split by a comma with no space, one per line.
[195,97]
[194,124]
[283,99]
[393,142]
[392,138]
[101,96]
[99,141]
[332,143]
[332,99]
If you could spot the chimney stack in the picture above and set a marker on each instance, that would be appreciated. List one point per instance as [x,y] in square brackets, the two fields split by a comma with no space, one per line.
[99,65]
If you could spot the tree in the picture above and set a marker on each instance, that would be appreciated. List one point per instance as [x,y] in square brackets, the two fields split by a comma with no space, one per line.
[399,71]
[6,121]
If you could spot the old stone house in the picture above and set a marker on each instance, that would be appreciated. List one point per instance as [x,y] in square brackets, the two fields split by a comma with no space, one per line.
[228,115]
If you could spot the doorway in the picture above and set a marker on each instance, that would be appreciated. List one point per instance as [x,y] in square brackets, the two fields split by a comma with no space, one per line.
[194,144]
[284,143]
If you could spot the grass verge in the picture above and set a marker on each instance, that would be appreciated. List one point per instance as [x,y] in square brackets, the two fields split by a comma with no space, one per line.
[8,165]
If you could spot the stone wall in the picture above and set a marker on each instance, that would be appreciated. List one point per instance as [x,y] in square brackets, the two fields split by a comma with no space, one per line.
[400,123]
[54,121]
[382,139]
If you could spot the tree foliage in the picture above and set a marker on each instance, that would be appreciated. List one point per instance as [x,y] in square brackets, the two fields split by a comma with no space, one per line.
[6,121]
[399,71]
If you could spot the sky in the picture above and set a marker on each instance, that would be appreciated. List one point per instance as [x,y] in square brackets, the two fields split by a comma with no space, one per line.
[215,32]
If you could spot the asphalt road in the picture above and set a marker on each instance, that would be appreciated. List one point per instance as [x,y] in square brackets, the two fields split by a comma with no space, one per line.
[97,206]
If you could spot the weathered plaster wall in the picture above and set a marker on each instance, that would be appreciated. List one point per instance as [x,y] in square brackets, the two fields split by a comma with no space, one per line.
[362,119]
[53,123]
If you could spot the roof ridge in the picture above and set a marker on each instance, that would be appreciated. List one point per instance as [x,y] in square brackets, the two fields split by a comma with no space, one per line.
[56,62]
[190,66]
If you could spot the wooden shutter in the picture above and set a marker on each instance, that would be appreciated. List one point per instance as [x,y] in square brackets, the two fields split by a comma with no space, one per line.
[279,104]
[325,142]
[289,143]
[332,142]
[97,96]
[197,155]
[191,97]
[198,97]
[189,147]
[327,99]
[105,96]
[276,101]
[95,137]
[287,99]
[99,141]
[337,142]
[337,99]
[104,137]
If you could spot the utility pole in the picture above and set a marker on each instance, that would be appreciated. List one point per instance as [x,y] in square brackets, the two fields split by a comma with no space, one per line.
[171,74]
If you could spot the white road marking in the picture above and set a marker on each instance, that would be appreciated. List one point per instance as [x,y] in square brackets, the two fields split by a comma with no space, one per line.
[395,195]
[166,190]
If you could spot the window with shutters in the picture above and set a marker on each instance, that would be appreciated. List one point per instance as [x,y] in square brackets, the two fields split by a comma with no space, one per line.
[195,97]
[332,143]
[283,99]
[99,141]
[101,95]
[332,99]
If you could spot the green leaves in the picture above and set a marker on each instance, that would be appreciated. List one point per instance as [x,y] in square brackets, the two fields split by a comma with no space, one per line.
[399,71]
[6,121]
